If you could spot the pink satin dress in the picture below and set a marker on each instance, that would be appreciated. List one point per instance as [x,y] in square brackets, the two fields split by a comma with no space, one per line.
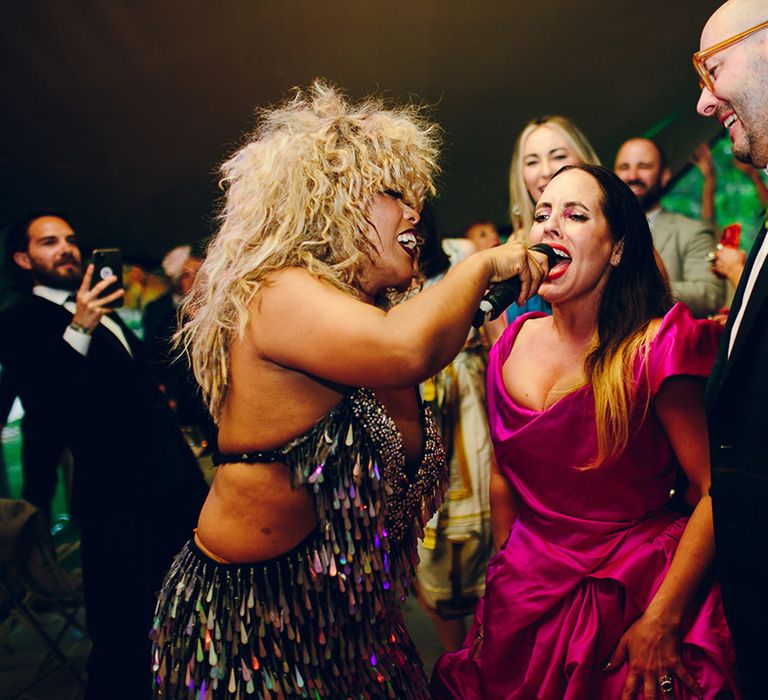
[589,548]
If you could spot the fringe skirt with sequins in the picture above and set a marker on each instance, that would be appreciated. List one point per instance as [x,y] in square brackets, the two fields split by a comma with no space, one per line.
[277,630]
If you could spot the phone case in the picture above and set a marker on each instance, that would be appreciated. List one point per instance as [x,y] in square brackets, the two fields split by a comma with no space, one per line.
[106,262]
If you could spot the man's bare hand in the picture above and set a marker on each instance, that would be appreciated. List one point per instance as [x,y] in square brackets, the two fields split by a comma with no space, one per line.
[90,306]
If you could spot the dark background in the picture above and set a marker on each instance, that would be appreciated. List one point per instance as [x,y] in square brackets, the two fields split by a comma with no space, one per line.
[120,112]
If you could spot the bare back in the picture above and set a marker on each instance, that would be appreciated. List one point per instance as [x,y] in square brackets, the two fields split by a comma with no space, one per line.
[252,513]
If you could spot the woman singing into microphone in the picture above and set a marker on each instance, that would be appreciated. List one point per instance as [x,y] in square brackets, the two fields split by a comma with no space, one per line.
[329,464]
[600,590]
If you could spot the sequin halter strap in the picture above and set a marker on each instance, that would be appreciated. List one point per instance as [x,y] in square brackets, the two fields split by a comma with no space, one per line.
[280,454]
[251,457]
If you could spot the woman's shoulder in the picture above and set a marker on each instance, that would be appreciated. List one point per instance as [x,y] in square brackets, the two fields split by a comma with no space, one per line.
[503,345]
[678,324]
[290,274]
[295,282]
[681,346]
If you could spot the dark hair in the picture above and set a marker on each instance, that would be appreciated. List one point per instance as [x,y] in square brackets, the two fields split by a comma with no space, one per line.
[433,260]
[17,241]
[636,291]
[635,294]
[659,150]
[17,238]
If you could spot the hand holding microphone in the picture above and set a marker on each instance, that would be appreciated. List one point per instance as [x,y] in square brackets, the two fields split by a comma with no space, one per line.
[504,293]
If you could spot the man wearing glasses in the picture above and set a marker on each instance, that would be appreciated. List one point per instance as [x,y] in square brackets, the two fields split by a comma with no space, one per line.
[733,69]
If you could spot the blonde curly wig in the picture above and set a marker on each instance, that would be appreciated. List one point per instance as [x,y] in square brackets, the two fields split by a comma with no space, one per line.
[296,196]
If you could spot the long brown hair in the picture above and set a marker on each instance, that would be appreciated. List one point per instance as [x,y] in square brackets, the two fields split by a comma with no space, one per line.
[635,295]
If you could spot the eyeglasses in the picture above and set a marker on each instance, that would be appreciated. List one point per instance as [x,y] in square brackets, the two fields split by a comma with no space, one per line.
[705,79]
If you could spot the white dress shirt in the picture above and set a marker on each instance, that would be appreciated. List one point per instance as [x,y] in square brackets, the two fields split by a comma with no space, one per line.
[81,342]
[762,254]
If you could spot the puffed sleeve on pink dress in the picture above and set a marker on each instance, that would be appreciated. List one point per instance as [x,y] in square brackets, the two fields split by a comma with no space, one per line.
[590,547]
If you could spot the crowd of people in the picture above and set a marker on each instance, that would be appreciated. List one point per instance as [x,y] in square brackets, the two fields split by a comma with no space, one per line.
[583,476]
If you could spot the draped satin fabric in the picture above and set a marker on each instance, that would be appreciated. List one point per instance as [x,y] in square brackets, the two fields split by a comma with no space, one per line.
[590,548]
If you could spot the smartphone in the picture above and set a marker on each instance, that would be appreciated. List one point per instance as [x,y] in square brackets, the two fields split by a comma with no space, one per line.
[107,262]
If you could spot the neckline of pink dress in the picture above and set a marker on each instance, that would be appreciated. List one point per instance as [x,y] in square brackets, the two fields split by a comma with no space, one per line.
[505,344]
[589,548]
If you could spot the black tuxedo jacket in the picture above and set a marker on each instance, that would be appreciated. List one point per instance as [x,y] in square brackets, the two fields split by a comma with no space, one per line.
[126,444]
[737,410]
[173,371]
[159,323]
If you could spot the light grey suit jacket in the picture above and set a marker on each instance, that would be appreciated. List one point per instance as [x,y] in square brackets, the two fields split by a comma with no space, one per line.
[683,245]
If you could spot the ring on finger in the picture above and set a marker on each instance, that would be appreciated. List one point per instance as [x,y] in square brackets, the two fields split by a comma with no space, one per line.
[665,684]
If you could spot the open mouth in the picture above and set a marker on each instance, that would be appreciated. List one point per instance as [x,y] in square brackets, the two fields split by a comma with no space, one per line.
[729,121]
[560,267]
[408,242]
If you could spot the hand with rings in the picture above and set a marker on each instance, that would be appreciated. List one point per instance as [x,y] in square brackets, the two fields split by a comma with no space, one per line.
[666,684]
[651,650]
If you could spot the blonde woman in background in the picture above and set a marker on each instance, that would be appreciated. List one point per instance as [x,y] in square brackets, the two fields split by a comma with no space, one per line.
[545,145]
[330,464]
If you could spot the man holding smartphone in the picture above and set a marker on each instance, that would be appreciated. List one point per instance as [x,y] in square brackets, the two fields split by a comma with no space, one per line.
[136,488]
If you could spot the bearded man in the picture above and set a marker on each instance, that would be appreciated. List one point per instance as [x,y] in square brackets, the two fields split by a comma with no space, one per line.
[136,487]
[732,64]
[682,243]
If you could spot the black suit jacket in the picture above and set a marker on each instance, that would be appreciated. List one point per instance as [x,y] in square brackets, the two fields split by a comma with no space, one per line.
[171,370]
[737,410]
[127,447]
[159,322]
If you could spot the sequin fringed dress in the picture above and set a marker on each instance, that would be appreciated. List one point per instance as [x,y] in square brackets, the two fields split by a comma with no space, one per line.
[323,620]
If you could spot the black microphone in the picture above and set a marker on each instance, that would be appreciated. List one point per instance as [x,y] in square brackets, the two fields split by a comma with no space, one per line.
[504,293]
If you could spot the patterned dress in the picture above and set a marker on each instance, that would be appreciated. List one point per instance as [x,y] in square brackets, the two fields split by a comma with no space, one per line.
[322,620]
[458,542]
